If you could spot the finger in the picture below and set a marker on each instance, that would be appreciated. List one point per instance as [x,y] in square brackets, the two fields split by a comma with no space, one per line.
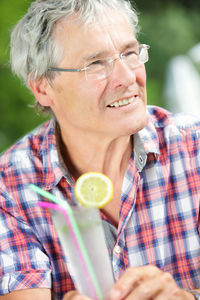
[74,295]
[174,293]
[159,287]
[131,279]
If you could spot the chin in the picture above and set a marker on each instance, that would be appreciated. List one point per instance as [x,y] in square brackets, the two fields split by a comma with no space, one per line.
[137,123]
[130,130]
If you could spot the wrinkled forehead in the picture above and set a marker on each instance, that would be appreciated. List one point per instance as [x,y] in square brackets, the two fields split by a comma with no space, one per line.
[73,34]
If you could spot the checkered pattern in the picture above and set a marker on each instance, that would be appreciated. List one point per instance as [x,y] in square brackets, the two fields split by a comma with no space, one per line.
[159,210]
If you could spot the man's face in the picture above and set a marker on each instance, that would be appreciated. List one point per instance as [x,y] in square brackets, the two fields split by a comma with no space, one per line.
[83,106]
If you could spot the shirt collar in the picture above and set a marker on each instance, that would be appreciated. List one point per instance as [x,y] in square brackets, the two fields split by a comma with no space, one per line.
[52,162]
[146,142]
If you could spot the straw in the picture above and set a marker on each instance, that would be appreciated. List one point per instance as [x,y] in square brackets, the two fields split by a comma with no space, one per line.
[58,207]
[65,208]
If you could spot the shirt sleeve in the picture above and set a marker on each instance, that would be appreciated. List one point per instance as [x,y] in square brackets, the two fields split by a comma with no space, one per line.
[23,262]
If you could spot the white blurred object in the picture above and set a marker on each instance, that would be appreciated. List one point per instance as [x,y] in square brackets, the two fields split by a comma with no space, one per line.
[182,89]
[194,53]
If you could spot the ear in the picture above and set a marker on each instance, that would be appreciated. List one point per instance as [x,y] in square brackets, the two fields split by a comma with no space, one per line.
[41,91]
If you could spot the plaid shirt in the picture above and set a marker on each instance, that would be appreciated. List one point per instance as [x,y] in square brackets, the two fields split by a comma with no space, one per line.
[159,210]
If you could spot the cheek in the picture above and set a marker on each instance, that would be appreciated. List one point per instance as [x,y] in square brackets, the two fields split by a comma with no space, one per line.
[93,91]
[141,76]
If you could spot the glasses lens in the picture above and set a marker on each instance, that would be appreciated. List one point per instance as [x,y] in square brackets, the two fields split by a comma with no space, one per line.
[134,60]
[102,68]
[99,69]
[143,54]
[131,60]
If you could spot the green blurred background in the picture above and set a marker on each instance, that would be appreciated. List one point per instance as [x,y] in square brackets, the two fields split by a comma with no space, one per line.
[170,27]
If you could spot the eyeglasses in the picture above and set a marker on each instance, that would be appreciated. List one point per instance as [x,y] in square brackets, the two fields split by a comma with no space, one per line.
[102,68]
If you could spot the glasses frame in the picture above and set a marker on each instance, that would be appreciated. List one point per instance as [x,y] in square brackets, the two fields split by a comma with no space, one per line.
[111,60]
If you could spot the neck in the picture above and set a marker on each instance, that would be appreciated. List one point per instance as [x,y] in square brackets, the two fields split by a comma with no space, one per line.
[88,153]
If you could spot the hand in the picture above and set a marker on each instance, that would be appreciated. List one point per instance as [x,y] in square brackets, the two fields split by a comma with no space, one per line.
[147,282]
[74,295]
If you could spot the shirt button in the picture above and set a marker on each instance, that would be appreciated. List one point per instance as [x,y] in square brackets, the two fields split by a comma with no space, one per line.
[117,249]
[141,159]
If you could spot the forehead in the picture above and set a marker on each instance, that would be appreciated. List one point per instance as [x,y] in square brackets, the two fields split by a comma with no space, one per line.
[79,40]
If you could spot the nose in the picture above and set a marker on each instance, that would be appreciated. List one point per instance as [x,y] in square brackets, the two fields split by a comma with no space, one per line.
[121,74]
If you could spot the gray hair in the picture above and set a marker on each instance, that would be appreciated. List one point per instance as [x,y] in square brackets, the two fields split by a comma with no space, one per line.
[33,48]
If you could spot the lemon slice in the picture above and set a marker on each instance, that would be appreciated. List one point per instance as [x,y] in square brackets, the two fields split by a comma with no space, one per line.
[93,189]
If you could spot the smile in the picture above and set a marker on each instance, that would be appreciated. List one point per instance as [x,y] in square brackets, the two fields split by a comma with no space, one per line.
[122,102]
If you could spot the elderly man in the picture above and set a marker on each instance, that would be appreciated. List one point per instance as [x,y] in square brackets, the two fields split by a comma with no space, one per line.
[83,62]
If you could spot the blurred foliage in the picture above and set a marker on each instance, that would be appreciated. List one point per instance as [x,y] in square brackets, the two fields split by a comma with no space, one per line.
[170,27]
[16,115]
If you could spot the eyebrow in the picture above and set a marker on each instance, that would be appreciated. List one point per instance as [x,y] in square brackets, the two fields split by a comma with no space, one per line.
[100,54]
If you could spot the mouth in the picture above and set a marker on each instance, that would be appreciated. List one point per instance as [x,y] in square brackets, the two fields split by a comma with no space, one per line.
[123,102]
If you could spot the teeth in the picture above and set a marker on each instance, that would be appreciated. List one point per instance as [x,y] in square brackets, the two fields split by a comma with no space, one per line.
[122,102]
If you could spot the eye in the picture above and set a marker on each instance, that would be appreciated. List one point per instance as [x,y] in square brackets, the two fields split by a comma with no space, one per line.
[98,62]
[130,53]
